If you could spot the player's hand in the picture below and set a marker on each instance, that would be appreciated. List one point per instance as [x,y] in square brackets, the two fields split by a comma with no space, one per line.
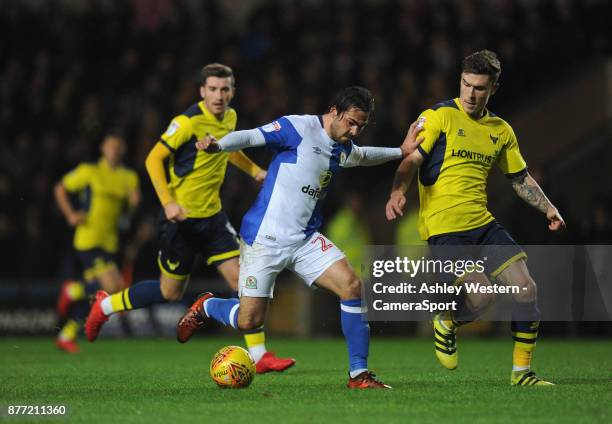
[395,205]
[261,176]
[175,212]
[557,223]
[76,218]
[208,143]
[411,142]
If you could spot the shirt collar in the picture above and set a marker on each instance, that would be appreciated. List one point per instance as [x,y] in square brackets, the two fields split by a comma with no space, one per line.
[484,115]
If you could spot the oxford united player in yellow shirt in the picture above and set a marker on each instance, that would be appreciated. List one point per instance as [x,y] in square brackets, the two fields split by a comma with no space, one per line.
[462,142]
[193,222]
[104,189]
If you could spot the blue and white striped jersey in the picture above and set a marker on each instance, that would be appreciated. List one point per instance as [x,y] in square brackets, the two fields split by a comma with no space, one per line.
[288,207]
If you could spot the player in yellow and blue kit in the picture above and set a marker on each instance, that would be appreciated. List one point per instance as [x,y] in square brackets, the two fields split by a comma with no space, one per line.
[462,142]
[193,221]
[104,189]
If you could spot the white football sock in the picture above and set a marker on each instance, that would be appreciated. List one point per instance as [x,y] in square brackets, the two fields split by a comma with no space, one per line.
[257,351]
[107,306]
[355,373]
[517,368]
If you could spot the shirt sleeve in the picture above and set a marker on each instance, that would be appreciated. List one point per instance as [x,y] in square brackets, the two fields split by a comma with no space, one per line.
[510,160]
[178,133]
[78,178]
[432,125]
[280,134]
[370,156]
[239,140]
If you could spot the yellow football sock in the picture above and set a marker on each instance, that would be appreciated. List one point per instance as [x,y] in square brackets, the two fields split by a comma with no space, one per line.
[524,345]
[256,342]
[121,301]
[69,330]
[255,339]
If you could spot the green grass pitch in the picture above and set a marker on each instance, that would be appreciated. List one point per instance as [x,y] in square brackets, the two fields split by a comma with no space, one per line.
[161,381]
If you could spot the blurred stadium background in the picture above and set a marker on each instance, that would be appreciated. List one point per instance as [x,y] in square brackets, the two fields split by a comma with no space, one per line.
[71,70]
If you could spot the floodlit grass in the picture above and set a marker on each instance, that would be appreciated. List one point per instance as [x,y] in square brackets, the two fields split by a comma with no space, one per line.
[161,381]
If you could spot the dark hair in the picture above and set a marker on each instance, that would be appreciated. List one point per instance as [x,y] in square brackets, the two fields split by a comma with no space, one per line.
[482,62]
[357,97]
[217,70]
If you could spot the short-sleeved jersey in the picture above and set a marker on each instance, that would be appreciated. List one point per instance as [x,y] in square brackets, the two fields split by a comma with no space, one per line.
[196,176]
[459,152]
[103,193]
[288,208]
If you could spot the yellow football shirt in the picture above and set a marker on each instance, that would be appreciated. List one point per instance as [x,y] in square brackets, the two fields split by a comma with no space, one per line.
[196,176]
[459,152]
[103,192]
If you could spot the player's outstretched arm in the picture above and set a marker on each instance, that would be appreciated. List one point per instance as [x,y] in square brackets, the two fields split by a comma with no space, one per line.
[232,142]
[371,156]
[245,164]
[155,167]
[401,182]
[528,189]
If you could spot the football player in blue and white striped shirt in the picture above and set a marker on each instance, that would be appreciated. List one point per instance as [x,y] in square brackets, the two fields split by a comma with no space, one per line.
[280,230]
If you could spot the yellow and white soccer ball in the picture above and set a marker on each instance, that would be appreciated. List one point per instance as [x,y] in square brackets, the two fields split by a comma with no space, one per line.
[232,367]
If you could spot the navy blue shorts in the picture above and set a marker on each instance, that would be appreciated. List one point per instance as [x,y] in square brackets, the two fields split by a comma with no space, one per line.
[214,238]
[497,245]
[96,261]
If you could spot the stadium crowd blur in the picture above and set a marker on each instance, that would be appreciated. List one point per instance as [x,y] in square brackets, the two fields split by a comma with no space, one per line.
[72,70]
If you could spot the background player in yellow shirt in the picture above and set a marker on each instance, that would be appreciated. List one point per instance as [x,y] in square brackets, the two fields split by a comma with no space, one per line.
[104,188]
[193,221]
[462,142]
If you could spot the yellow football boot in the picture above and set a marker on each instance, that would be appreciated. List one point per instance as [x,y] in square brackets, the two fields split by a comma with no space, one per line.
[445,342]
[527,378]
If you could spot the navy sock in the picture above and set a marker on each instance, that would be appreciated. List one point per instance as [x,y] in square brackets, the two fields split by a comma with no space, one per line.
[144,294]
[525,311]
[463,314]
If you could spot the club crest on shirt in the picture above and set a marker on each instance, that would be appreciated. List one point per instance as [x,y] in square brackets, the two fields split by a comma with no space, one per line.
[325,178]
[172,128]
[274,126]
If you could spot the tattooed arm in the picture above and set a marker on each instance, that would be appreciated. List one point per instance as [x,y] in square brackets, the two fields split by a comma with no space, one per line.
[529,190]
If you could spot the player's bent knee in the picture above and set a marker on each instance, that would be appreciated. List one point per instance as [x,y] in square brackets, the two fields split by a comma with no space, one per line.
[352,289]
[528,292]
[172,292]
[172,295]
[249,322]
